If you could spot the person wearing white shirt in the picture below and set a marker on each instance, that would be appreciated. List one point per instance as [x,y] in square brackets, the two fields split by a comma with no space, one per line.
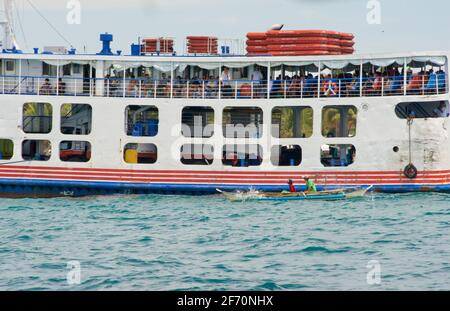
[226,76]
[257,76]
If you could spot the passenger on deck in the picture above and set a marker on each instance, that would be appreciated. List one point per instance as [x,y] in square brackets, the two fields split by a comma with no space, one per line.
[46,88]
[226,76]
[61,87]
[257,76]
[441,111]
[291,186]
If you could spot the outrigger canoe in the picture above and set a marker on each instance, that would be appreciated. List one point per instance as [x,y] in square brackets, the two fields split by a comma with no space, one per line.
[340,194]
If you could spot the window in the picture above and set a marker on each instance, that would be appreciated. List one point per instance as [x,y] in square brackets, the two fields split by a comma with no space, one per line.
[337,155]
[198,122]
[10,65]
[141,121]
[242,155]
[339,121]
[6,149]
[197,154]
[75,151]
[76,68]
[48,70]
[140,153]
[67,70]
[36,150]
[76,119]
[292,122]
[37,118]
[243,122]
[422,110]
[289,155]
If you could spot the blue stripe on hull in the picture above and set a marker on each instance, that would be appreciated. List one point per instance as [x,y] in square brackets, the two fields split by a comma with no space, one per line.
[34,187]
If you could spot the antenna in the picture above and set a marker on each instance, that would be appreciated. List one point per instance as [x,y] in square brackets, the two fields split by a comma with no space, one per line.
[6,23]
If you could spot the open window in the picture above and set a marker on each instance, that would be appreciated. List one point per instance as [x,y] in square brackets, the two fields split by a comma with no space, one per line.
[243,122]
[36,150]
[6,149]
[339,121]
[288,155]
[198,122]
[140,153]
[337,155]
[292,122]
[37,118]
[197,154]
[423,110]
[75,151]
[141,121]
[242,155]
[76,119]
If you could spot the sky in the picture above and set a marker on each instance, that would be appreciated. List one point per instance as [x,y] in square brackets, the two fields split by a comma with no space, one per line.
[406,25]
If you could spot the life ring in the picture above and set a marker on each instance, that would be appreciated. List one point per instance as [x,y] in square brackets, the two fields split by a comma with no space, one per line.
[302,33]
[257,49]
[256,42]
[299,53]
[346,36]
[347,50]
[410,171]
[346,43]
[304,47]
[306,40]
[201,38]
[257,35]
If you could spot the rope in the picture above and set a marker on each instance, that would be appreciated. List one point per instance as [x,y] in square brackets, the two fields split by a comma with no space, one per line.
[17,162]
[410,123]
[49,23]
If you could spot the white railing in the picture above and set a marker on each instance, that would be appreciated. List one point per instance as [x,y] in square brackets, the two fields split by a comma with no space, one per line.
[433,84]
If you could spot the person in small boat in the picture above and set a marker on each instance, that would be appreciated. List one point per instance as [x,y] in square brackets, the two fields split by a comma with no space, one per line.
[291,186]
[310,185]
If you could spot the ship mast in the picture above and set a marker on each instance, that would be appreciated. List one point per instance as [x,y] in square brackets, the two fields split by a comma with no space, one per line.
[8,40]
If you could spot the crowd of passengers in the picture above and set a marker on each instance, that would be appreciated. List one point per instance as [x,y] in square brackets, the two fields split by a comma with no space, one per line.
[388,82]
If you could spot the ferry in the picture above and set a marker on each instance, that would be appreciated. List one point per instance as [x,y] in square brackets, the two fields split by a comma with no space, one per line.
[155,121]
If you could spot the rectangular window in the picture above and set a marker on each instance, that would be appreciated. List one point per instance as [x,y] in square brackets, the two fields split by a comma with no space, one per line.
[76,69]
[76,119]
[140,153]
[197,154]
[67,70]
[337,155]
[292,122]
[289,155]
[36,150]
[75,151]
[48,70]
[198,122]
[141,121]
[242,122]
[423,110]
[6,149]
[10,65]
[339,121]
[242,155]
[37,118]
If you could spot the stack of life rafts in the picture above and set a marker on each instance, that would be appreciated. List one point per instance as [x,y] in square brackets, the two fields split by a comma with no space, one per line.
[202,45]
[300,43]
[157,45]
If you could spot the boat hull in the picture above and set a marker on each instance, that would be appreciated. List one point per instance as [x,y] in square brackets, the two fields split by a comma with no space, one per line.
[17,188]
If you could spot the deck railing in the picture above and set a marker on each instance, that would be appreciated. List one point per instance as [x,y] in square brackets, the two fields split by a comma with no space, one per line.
[434,84]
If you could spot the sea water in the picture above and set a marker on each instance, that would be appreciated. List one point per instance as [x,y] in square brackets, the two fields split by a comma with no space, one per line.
[154,242]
